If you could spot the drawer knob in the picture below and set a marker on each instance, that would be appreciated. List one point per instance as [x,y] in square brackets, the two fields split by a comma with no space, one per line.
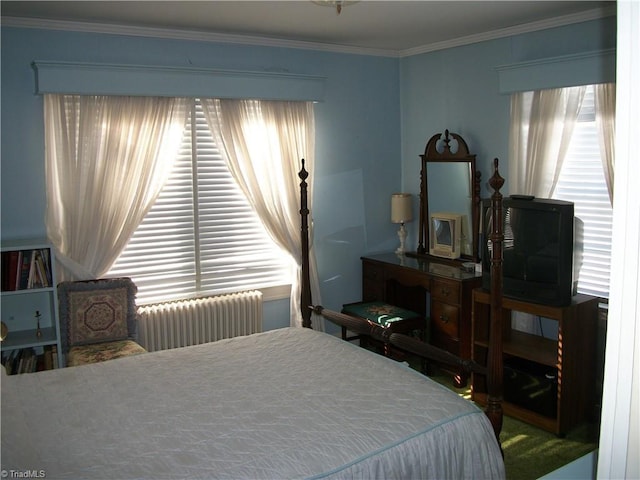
[444,318]
[445,291]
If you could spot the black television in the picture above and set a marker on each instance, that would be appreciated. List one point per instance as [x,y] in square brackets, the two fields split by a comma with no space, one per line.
[541,256]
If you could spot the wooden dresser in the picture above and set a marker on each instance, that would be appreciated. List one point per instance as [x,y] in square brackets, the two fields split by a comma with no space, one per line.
[439,291]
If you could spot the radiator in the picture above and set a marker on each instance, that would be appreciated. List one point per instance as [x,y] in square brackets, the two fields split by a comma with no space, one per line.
[192,322]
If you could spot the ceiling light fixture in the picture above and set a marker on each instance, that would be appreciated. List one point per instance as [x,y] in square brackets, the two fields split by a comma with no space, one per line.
[338,4]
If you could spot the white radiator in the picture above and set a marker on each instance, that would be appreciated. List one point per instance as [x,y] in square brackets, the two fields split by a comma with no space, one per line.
[191,322]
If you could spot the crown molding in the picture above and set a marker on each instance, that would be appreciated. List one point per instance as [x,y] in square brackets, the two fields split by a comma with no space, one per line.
[585,68]
[190,35]
[585,16]
[202,36]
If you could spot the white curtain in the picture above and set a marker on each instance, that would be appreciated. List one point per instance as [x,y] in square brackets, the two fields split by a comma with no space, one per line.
[106,160]
[541,127]
[605,94]
[263,143]
[539,138]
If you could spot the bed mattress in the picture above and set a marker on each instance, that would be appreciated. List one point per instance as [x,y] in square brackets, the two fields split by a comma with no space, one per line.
[289,403]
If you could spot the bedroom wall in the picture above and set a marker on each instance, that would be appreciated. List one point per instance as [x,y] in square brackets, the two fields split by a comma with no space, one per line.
[357,145]
[377,115]
[457,89]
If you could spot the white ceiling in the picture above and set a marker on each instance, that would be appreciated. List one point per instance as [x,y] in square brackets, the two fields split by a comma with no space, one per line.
[368,26]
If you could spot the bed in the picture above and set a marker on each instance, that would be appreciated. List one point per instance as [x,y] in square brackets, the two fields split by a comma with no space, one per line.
[288,403]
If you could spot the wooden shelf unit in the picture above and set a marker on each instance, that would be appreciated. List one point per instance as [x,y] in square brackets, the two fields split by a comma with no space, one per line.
[573,354]
[20,303]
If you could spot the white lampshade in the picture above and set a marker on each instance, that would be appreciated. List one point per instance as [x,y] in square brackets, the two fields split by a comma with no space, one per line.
[401,211]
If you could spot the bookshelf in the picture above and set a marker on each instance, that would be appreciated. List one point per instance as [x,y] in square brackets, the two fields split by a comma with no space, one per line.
[29,307]
[560,388]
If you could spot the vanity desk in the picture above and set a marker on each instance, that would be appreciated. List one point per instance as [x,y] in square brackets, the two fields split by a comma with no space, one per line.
[430,280]
[439,291]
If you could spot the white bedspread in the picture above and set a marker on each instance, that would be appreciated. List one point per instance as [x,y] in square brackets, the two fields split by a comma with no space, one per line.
[290,403]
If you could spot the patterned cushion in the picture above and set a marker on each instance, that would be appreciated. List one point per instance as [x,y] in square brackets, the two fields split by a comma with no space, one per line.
[83,354]
[381,313]
[97,316]
[95,311]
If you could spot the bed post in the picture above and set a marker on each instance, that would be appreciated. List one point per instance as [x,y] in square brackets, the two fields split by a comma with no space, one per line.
[305,287]
[494,360]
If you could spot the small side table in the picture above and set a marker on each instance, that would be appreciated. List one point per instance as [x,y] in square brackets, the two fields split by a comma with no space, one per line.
[395,319]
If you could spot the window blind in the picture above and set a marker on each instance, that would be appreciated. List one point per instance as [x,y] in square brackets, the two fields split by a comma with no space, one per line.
[201,237]
[582,182]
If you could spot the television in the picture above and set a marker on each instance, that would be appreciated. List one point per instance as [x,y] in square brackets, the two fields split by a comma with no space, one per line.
[445,235]
[541,257]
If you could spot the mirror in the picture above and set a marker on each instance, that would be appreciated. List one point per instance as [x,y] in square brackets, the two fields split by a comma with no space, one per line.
[450,183]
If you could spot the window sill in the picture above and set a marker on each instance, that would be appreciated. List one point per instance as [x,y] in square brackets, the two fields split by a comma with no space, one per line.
[275,293]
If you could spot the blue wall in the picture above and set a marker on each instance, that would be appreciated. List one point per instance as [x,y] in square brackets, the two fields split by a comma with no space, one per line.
[358,137]
[374,122]
[457,89]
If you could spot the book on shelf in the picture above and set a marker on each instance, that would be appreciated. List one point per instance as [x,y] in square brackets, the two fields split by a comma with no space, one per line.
[54,355]
[25,269]
[22,277]
[48,357]
[27,360]
[9,269]
[8,360]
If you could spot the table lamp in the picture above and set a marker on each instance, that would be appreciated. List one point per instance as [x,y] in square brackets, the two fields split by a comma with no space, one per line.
[401,213]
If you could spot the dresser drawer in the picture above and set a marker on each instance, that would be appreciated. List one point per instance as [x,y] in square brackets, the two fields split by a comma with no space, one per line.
[446,291]
[444,319]
[372,272]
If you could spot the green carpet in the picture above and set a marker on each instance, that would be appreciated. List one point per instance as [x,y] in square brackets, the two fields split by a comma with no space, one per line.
[529,452]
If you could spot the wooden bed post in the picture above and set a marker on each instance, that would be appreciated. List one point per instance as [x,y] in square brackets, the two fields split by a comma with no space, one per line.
[494,360]
[421,250]
[305,293]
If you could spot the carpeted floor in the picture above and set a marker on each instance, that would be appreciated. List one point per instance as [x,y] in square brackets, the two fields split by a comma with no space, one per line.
[529,452]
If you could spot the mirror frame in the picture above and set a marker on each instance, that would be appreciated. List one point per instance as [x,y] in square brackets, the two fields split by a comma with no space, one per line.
[432,154]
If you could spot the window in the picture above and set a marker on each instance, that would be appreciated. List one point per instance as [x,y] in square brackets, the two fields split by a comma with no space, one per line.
[201,237]
[582,181]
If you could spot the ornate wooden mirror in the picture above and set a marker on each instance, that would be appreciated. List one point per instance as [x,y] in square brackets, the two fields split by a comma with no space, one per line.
[449,183]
